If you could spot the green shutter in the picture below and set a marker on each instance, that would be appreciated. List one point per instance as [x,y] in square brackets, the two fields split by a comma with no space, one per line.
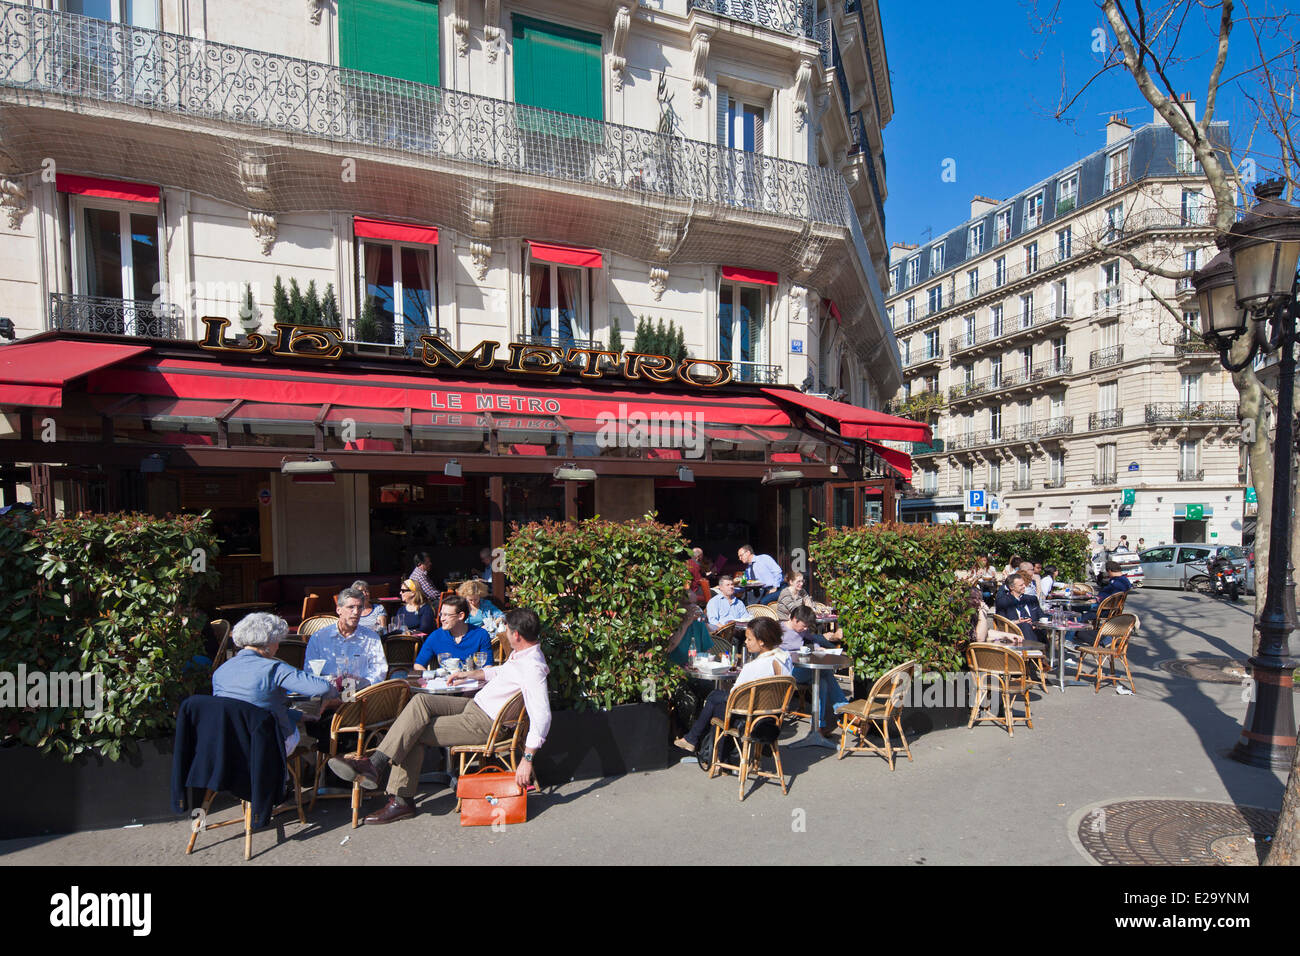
[557,68]
[397,38]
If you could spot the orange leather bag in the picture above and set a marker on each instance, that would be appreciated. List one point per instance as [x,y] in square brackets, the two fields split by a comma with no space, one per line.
[491,796]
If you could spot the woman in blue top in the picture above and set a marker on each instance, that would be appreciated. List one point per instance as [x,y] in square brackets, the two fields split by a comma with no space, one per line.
[414,615]
[255,675]
[373,616]
[480,608]
[455,638]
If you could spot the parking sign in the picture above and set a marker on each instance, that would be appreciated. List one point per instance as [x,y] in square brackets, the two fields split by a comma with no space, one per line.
[975,499]
[994,505]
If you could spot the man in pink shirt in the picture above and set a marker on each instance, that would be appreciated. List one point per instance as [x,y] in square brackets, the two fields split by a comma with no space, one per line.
[446,721]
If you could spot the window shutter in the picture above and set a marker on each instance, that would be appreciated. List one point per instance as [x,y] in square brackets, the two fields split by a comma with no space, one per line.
[758,133]
[724,129]
[557,68]
[397,38]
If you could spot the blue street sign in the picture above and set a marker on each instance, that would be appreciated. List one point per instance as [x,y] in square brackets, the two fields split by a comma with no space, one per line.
[796,346]
[1132,466]
[975,499]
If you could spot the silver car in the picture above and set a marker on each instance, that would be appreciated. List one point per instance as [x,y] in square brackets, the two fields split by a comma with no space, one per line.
[1175,565]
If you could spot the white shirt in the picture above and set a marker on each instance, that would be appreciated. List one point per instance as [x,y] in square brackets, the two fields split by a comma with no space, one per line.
[525,670]
[361,654]
[1045,586]
[761,666]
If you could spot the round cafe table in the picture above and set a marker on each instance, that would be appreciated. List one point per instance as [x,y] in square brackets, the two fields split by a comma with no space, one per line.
[818,662]
[1058,633]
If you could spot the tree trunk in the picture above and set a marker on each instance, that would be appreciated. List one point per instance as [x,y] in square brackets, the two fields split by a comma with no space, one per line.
[1285,849]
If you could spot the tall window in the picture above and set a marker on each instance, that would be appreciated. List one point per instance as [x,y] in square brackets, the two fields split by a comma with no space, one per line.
[995,370]
[905,351]
[972,282]
[118,260]
[1031,258]
[932,344]
[934,297]
[889,315]
[911,311]
[995,321]
[741,128]
[137,13]
[968,328]
[1185,163]
[1117,169]
[913,270]
[555,68]
[1067,194]
[1106,462]
[1063,245]
[742,317]
[1189,459]
[559,303]
[1056,406]
[1026,310]
[975,239]
[1108,396]
[1061,298]
[1034,210]
[936,259]
[995,421]
[400,288]
[967,476]
[995,470]
[1000,271]
[1193,208]
[1056,467]
[1002,223]
[1191,320]
[1023,473]
[1190,388]
[1058,353]
[397,38]
[895,278]
[1026,360]
[1114,227]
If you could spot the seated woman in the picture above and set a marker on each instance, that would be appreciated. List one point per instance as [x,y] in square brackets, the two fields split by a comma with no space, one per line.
[691,634]
[413,615]
[373,616]
[763,638]
[480,607]
[792,597]
[255,675]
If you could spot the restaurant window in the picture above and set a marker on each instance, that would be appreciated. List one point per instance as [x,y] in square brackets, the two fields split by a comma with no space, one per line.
[117,256]
[742,318]
[397,38]
[558,304]
[401,290]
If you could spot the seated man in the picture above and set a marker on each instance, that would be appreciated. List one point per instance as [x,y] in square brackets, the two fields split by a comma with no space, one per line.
[802,627]
[349,648]
[724,606]
[454,638]
[437,720]
[1016,604]
[1116,583]
[256,676]
[765,571]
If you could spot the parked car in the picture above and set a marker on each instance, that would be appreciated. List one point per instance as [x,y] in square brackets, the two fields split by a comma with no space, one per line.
[1177,565]
[1128,560]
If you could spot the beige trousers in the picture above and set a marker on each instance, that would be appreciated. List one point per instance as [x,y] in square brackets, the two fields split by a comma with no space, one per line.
[436,720]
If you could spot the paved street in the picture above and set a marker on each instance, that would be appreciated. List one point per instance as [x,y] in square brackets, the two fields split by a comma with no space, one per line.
[971,796]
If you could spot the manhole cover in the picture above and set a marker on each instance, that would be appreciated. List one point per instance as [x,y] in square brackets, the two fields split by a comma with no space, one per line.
[1218,670]
[1172,832]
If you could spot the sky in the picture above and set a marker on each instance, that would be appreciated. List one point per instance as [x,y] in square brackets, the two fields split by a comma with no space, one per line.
[976,86]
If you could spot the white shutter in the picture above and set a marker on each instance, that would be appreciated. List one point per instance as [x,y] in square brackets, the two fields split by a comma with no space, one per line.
[724,102]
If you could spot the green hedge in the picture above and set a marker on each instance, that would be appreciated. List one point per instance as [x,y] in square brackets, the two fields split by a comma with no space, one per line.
[112,594]
[608,597]
[895,586]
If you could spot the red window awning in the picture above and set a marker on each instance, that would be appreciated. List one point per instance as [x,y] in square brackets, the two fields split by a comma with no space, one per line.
[900,461]
[34,373]
[852,421]
[105,188]
[566,255]
[732,274]
[394,231]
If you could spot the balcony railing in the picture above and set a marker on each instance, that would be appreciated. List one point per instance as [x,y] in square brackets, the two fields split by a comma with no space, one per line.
[1022,484]
[1108,297]
[1101,481]
[749,371]
[387,331]
[792,17]
[1191,412]
[1041,318]
[925,355]
[1191,474]
[80,57]
[1017,377]
[1027,431]
[1194,347]
[558,341]
[1100,421]
[927,448]
[144,318]
[1102,358]
[824,33]
[1054,483]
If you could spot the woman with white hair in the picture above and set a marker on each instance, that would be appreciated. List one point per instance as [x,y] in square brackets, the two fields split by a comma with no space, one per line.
[373,616]
[255,675]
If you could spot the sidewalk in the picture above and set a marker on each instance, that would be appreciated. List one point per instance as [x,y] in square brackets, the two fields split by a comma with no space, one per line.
[970,796]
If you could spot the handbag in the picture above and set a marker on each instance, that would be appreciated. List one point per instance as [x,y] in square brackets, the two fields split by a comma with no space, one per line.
[491,796]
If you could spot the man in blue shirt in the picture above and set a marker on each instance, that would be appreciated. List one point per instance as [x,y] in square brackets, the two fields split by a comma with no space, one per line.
[349,648]
[765,571]
[455,638]
[724,606]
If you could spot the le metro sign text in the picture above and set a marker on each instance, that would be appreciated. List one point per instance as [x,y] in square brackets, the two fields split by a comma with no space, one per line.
[310,341]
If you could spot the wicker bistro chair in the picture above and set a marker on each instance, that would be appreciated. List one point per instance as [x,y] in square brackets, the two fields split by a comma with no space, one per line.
[1041,664]
[761,610]
[505,740]
[998,667]
[368,715]
[724,637]
[1111,606]
[883,706]
[293,653]
[759,704]
[313,624]
[400,652]
[225,646]
[1117,630]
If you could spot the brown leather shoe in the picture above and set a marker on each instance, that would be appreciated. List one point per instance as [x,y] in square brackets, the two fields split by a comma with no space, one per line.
[393,810]
[351,768]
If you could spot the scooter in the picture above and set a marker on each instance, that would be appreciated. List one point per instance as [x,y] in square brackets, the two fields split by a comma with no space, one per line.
[1227,581]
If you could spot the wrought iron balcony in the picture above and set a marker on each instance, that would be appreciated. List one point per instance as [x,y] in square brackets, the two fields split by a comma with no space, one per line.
[1107,298]
[146,319]
[1102,358]
[1191,474]
[1042,372]
[924,356]
[1027,431]
[747,371]
[1054,483]
[792,17]
[557,341]
[387,331]
[179,76]
[1100,421]
[1010,327]
[1102,481]
[1206,412]
[823,33]
[1022,484]
[927,448]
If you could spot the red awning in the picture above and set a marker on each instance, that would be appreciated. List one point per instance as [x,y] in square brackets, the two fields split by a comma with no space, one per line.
[395,231]
[458,402]
[854,422]
[566,255]
[749,275]
[34,373]
[900,461]
[105,188]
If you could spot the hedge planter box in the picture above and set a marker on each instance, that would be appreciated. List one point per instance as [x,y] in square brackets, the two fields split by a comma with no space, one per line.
[587,744]
[45,795]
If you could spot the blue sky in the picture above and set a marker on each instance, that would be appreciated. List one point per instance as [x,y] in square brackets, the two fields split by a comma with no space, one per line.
[978,83]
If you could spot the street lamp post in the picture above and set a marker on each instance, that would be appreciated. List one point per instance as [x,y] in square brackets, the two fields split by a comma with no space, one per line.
[1251,289]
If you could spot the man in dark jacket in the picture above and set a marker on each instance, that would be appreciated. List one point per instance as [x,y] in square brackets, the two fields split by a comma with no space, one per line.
[1019,605]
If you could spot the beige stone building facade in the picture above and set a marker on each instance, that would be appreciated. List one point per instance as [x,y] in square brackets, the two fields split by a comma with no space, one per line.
[1060,385]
